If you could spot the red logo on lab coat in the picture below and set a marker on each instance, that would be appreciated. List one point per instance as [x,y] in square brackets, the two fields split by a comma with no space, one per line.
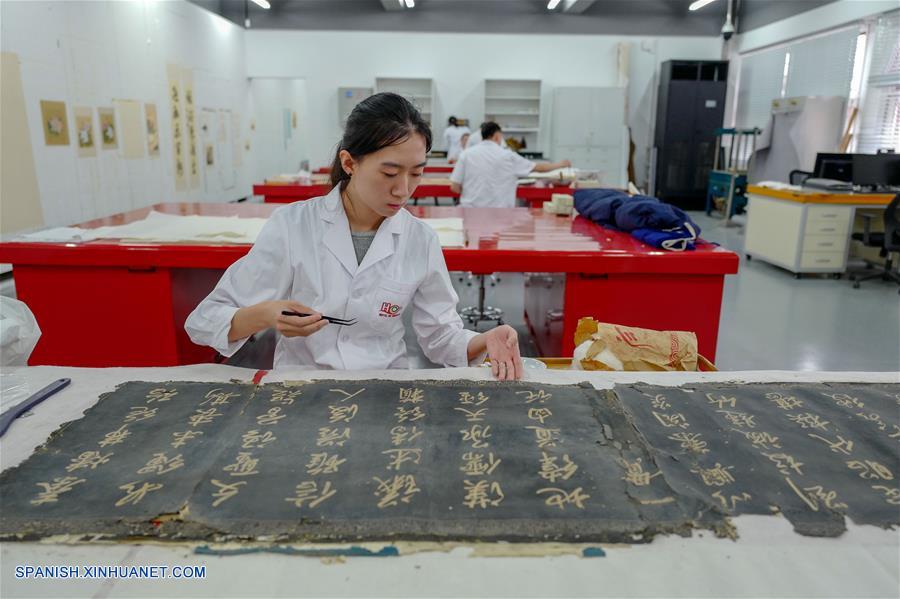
[389,310]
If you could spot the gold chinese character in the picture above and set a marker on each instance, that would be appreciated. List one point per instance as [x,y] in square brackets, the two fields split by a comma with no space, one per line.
[342,413]
[784,402]
[53,490]
[551,471]
[892,496]
[270,417]
[467,398]
[760,440]
[308,490]
[659,402]
[244,465]
[411,414]
[479,494]
[670,420]
[389,491]
[401,456]
[412,396]
[539,414]
[473,415]
[807,420]
[560,498]
[181,438]
[635,474]
[346,394]
[829,498]
[785,462]
[284,396]
[226,491]
[545,437]
[115,437]
[217,397]
[733,500]
[715,477]
[721,401]
[135,494]
[329,437]
[896,433]
[161,395]
[690,442]
[139,413]
[842,445]
[876,418]
[871,469]
[160,464]
[400,435]
[741,419]
[539,396]
[477,435]
[845,401]
[475,464]
[323,463]
[204,416]
[88,459]
[252,439]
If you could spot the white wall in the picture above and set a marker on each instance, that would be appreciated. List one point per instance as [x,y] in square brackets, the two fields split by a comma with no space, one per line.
[91,53]
[459,63]
[280,147]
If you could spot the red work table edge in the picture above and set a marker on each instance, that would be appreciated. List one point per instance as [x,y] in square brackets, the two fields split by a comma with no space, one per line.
[612,279]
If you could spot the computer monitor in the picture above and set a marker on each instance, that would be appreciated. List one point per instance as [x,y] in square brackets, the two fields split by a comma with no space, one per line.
[876,170]
[834,166]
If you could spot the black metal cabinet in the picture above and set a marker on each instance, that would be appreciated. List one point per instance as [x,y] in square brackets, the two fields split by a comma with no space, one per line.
[690,107]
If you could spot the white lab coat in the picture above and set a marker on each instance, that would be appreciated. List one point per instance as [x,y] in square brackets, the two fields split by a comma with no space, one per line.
[452,136]
[305,253]
[489,175]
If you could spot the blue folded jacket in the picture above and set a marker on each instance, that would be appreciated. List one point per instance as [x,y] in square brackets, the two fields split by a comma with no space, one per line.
[656,223]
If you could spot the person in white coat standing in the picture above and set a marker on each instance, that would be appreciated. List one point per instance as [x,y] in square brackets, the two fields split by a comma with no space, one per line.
[452,137]
[353,254]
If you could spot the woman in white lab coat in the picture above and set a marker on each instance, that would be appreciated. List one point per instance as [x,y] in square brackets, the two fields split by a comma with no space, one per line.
[353,254]
[452,136]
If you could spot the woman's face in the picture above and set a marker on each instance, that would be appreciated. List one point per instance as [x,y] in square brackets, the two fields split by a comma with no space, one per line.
[384,180]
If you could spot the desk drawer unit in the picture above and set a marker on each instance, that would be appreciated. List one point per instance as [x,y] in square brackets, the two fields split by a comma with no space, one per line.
[825,238]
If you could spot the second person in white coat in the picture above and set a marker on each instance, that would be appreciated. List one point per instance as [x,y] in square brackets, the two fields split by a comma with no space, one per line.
[354,253]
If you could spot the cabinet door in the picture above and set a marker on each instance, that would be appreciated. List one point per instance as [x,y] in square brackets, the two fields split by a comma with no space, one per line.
[571,108]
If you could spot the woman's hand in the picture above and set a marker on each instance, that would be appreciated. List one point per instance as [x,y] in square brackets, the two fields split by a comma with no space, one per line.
[503,350]
[267,315]
[294,326]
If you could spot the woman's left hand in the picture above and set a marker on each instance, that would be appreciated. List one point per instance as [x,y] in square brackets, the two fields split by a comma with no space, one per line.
[503,350]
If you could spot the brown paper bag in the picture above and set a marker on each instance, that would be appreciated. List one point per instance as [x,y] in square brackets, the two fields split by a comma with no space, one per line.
[636,349]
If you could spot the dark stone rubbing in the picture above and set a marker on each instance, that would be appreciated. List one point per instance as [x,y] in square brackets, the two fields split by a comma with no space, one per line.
[814,452]
[550,467]
[558,462]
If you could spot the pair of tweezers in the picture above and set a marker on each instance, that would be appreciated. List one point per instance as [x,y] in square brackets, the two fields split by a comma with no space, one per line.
[331,319]
[14,412]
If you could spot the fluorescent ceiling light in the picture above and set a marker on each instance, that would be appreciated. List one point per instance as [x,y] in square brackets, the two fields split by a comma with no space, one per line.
[410,3]
[553,4]
[698,4]
[263,3]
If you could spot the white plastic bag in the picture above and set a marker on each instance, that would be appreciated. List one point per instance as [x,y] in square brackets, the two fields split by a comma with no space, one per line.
[19,332]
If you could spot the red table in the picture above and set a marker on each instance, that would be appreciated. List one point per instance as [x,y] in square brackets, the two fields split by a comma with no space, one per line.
[438,168]
[536,194]
[108,303]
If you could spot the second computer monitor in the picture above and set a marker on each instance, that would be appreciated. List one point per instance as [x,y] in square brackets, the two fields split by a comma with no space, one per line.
[834,166]
[876,170]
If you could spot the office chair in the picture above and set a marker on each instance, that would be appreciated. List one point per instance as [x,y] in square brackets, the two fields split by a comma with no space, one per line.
[889,242]
[797,177]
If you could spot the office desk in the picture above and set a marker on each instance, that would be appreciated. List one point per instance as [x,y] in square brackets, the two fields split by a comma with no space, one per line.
[768,559]
[111,303]
[431,187]
[804,231]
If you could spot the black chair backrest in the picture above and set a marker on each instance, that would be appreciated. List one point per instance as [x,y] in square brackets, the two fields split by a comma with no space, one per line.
[892,225]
